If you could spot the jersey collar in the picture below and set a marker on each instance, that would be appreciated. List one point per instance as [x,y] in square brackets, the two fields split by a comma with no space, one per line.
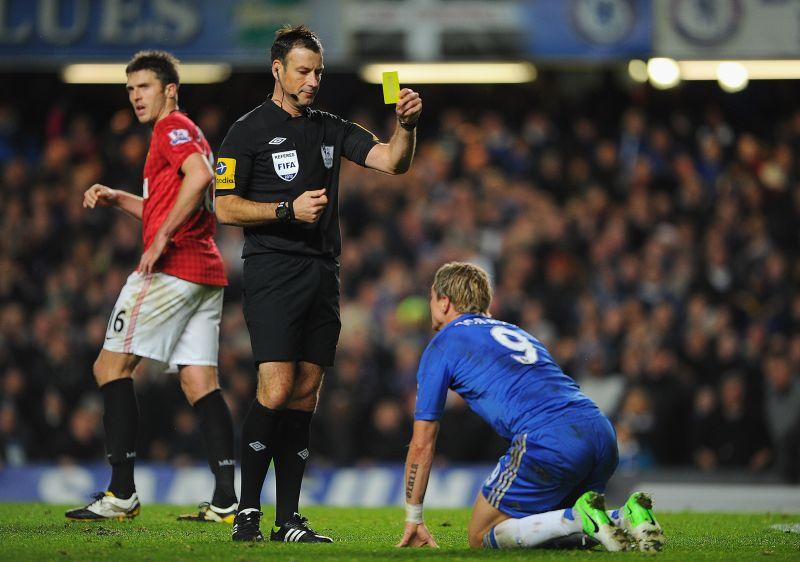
[460,318]
[282,113]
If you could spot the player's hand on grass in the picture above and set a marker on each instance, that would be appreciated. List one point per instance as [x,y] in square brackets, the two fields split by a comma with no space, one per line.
[151,256]
[417,534]
[310,205]
[99,196]
[409,106]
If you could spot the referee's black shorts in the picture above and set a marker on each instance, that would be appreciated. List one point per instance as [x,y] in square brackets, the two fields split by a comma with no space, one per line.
[291,305]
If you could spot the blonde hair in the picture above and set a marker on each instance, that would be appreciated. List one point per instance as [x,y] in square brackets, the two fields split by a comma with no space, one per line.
[466,285]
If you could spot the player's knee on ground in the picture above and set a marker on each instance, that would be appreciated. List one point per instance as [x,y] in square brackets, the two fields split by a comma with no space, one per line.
[197,381]
[475,539]
[484,517]
[475,533]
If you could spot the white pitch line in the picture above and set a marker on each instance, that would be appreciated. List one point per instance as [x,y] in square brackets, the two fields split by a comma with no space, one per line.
[787,528]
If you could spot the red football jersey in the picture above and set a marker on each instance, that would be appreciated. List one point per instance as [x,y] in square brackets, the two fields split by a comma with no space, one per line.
[192,254]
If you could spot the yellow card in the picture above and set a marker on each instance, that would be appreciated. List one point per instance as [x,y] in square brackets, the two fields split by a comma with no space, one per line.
[391,87]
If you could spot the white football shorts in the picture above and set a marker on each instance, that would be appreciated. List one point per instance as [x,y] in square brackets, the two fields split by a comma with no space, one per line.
[167,319]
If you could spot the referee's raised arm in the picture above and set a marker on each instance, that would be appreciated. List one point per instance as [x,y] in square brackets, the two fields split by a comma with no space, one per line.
[395,156]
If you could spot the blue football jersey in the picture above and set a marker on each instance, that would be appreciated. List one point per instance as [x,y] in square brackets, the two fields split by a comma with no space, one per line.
[505,375]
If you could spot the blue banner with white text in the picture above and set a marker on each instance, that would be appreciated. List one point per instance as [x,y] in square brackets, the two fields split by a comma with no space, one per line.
[236,31]
[371,487]
[239,32]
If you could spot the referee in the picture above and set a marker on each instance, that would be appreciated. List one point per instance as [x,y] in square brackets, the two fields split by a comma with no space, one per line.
[277,176]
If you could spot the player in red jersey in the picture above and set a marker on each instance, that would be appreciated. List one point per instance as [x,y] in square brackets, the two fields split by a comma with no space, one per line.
[169,309]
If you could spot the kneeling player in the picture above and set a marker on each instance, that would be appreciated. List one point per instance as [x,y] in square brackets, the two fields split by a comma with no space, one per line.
[563,450]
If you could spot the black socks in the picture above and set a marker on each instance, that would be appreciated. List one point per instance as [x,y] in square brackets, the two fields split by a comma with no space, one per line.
[121,422]
[216,425]
[260,433]
[265,433]
[291,457]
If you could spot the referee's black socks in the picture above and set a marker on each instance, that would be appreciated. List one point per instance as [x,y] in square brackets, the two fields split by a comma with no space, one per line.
[291,457]
[121,422]
[260,432]
[216,425]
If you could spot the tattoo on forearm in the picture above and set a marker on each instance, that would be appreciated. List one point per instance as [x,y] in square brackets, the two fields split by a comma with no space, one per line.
[412,475]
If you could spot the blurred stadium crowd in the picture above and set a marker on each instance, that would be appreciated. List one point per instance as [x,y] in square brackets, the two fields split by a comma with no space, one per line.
[652,248]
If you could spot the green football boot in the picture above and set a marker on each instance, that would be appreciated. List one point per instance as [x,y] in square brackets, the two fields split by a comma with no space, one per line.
[640,522]
[591,507]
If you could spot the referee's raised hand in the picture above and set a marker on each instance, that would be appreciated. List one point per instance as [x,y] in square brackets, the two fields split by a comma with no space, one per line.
[408,107]
[310,205]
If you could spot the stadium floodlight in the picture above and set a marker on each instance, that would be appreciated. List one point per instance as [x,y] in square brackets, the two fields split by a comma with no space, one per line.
[453,72]
[773,69]
[664,73]
[732,76]
[756,69]
[114,73]
[637,70]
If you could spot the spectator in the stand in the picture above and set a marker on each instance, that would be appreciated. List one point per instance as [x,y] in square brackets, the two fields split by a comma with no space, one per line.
[744,442]
[604,388]
[387,431]
[350,391]
[186,443]
[464,437]
[783,414]
[705,425]
[671,407]
[727,434]
[633,456]
[53,411]
[81,439]
[635,422]
[15,438]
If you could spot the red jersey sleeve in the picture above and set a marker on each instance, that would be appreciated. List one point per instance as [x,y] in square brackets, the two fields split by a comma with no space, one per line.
[177,138]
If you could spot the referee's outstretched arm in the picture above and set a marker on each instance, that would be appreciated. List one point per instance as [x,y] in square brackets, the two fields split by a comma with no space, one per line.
[395,156]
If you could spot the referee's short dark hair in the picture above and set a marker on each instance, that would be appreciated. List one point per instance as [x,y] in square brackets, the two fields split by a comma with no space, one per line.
[163,64]
[287,38]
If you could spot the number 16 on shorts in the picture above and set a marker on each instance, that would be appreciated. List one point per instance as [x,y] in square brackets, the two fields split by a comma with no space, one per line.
[117,322]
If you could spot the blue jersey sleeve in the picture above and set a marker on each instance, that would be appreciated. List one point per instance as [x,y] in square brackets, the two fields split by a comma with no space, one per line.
[433,380]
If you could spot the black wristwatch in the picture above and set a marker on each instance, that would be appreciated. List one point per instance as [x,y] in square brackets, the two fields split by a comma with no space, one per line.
[284,211]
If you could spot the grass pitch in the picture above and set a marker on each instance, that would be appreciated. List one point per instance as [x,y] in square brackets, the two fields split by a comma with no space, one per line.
[40,532]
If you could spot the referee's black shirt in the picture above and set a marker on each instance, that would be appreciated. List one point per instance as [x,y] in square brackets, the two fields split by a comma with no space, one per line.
[269,156]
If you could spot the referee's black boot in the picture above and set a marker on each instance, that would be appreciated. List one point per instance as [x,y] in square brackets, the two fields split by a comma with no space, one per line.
[296,529]
[245,526]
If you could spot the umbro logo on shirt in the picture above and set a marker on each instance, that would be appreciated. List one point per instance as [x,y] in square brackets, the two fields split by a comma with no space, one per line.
[303,454]
[277,140]
[257,446]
